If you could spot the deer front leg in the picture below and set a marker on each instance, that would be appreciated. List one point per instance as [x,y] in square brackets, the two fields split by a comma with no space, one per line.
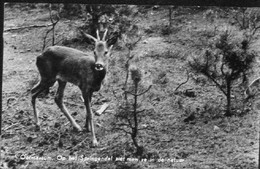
[89,117]
[87,124]
[59,102]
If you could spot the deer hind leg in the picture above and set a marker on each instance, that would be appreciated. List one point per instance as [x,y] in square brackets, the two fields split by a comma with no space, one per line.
[59,102]
[89,117]
[36,90]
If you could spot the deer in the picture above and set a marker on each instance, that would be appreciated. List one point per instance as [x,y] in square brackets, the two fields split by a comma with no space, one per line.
[65,64]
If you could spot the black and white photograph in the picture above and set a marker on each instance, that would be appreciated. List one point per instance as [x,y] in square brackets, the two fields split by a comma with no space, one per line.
[128,86]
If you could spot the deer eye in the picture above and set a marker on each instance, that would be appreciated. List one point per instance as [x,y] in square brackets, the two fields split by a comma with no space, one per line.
[106,52]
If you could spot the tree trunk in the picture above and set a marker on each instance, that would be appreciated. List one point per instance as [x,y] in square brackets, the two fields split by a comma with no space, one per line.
[94,24]
[135,129]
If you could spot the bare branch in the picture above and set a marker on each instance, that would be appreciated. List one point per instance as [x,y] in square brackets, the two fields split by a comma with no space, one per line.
[217,84]
[25,27]
[53,24]
[129,122]
[140,111]
[183,82]
[44,39]
[130,57]
[222,69]
[137,41]
[139,94]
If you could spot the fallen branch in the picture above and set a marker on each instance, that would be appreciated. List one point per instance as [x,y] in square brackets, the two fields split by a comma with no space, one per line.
[102,109]
[25,27]
[79,144]
[8,127]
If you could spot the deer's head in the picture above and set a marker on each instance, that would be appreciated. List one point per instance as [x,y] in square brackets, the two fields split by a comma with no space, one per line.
[102,50]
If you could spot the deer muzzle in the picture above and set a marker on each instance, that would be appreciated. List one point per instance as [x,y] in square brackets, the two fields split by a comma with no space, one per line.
[99,67]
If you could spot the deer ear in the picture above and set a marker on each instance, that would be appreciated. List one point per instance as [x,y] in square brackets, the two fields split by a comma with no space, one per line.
[113,39]
[89,37]
[110,48]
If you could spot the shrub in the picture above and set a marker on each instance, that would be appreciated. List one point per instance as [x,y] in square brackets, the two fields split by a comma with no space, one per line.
[227,62]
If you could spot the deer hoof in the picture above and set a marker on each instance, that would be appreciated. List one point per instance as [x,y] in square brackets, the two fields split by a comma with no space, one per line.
[77,128]
[94,143]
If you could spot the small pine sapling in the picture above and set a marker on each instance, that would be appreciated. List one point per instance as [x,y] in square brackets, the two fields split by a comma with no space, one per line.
[129,115]
[225,64]
[130,112]
[55,18]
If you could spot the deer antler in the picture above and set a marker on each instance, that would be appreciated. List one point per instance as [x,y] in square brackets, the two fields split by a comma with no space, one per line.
[98,38]
[104,36]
